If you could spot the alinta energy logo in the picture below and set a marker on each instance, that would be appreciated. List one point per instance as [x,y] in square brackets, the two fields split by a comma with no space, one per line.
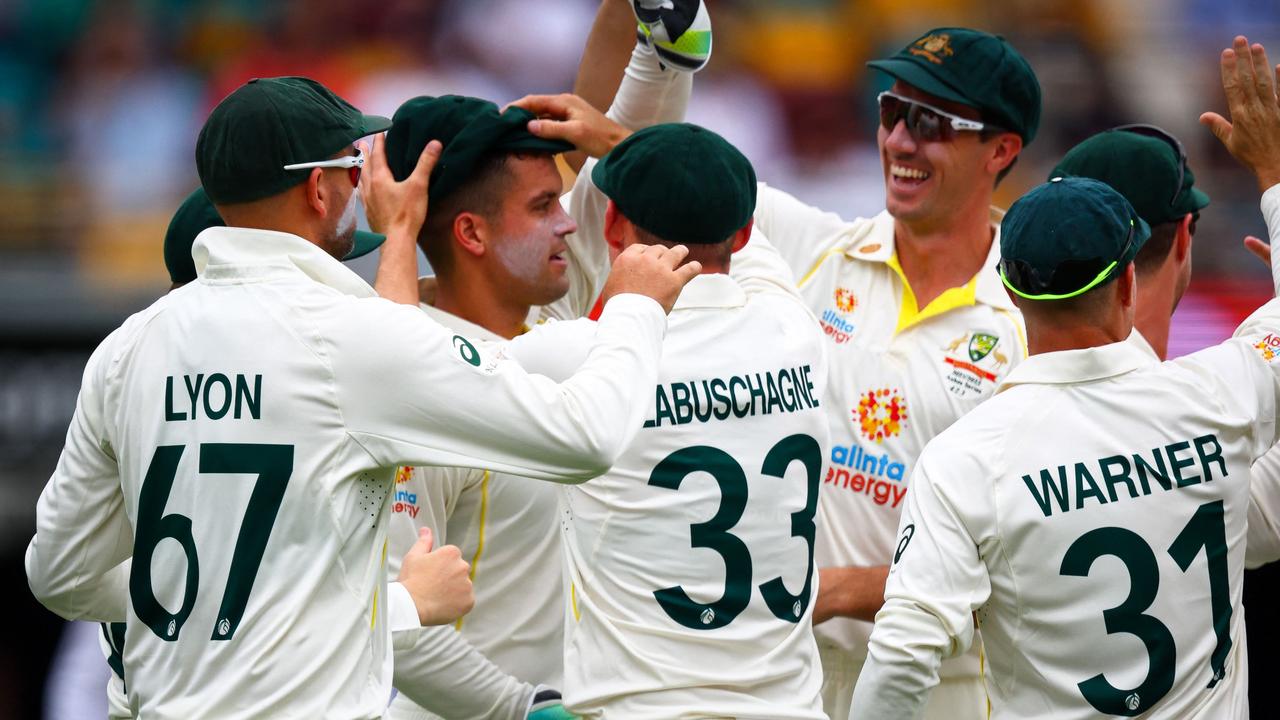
[881,414]
[1269,346]
[833,322]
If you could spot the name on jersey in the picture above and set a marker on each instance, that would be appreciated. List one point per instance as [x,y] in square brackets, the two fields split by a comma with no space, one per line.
[867,474]
[215,395]
[1067,488]
[784,390]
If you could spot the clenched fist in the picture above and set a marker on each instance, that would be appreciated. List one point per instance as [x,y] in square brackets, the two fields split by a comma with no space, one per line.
[438,580]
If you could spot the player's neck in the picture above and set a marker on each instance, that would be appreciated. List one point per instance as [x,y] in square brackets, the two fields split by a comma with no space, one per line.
[939,256]
[1154,313]
[476,303]
[1045,336]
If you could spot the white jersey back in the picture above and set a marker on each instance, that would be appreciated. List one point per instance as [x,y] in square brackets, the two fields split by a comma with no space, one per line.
[691,560]
[1105,561]
[239,439]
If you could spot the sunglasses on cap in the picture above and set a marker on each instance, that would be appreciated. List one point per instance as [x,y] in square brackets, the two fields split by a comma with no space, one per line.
[924,121]
[1025,281]
[1164,135]
[353,163]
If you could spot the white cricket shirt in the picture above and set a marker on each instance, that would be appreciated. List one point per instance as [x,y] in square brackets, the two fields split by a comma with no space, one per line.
[691,560]
[238,439]
[1093,515]
[899,375]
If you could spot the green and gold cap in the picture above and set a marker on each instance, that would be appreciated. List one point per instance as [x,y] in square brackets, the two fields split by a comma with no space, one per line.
[972,68]
[681,182]
[268,123]
[470,129]
[196,214]
[1144,164]
[1066,237]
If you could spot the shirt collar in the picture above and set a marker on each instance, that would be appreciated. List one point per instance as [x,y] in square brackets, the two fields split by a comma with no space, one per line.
[231,254]
[877,245]
[711,290]
[459,325]
[1070,367]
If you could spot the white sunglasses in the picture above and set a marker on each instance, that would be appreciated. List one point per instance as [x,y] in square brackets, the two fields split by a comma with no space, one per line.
[353,164]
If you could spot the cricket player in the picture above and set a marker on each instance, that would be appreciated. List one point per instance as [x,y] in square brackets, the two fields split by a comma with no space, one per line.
[253,420]
[691,560]
[507,259]
[1103,558]
[920,329]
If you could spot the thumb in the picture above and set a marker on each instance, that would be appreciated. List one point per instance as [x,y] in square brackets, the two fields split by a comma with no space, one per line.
[1258,247]
[1217,124]
[425,540]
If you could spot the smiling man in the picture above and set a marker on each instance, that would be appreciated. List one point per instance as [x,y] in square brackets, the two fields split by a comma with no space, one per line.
[920,328]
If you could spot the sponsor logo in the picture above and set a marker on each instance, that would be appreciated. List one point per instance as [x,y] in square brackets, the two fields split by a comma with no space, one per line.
[1268,347]
[881,414]
[466,350]
[832,320]
[846,301]
[908,532]
[933,47]
[879,477]
[405,502]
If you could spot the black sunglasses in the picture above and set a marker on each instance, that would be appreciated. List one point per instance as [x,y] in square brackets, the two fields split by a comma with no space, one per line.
[1173,142]
[924,121]
[1071,278]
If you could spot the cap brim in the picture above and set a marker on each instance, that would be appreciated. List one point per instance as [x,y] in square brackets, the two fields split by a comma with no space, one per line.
[365,243]
[1197,200]
[375,124]
[919,78]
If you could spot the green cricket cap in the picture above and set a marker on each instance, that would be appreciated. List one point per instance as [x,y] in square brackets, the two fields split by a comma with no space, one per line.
[471,130]
[268,123]
[197,214]
[681,182]
[1145,165]
[1066,237]
[973,68]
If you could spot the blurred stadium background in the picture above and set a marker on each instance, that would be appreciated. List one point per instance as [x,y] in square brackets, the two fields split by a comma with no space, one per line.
[100,104]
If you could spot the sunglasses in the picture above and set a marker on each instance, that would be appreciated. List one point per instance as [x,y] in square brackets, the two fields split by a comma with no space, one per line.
[1025,281]
[353,163]
[924,121]
[1164,135]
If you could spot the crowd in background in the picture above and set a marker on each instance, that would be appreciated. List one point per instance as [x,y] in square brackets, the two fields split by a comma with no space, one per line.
[101,101]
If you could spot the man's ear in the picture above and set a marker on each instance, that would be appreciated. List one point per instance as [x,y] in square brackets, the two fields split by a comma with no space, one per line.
[743,235]
[613,226]
[1182,239]
[1127,286]
[317,194]
[471,233]
[1007,147]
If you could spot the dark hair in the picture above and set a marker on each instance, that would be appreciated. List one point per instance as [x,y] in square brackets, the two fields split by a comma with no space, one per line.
[709,254]
[482,194]
[1157,247]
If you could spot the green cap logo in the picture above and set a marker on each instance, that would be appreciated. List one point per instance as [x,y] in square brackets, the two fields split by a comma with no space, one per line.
[933,47]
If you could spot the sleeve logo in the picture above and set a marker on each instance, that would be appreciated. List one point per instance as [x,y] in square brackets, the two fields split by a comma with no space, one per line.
[908,532]
[466,350]
[1268,347]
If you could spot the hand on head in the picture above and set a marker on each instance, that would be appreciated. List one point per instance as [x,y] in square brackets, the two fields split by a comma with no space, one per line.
[654,271]
[1252,135]
[570,118]
[397,206]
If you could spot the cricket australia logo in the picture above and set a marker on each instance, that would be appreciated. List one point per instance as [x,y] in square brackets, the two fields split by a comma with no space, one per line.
[933,47]
[881,414]
[972,371]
